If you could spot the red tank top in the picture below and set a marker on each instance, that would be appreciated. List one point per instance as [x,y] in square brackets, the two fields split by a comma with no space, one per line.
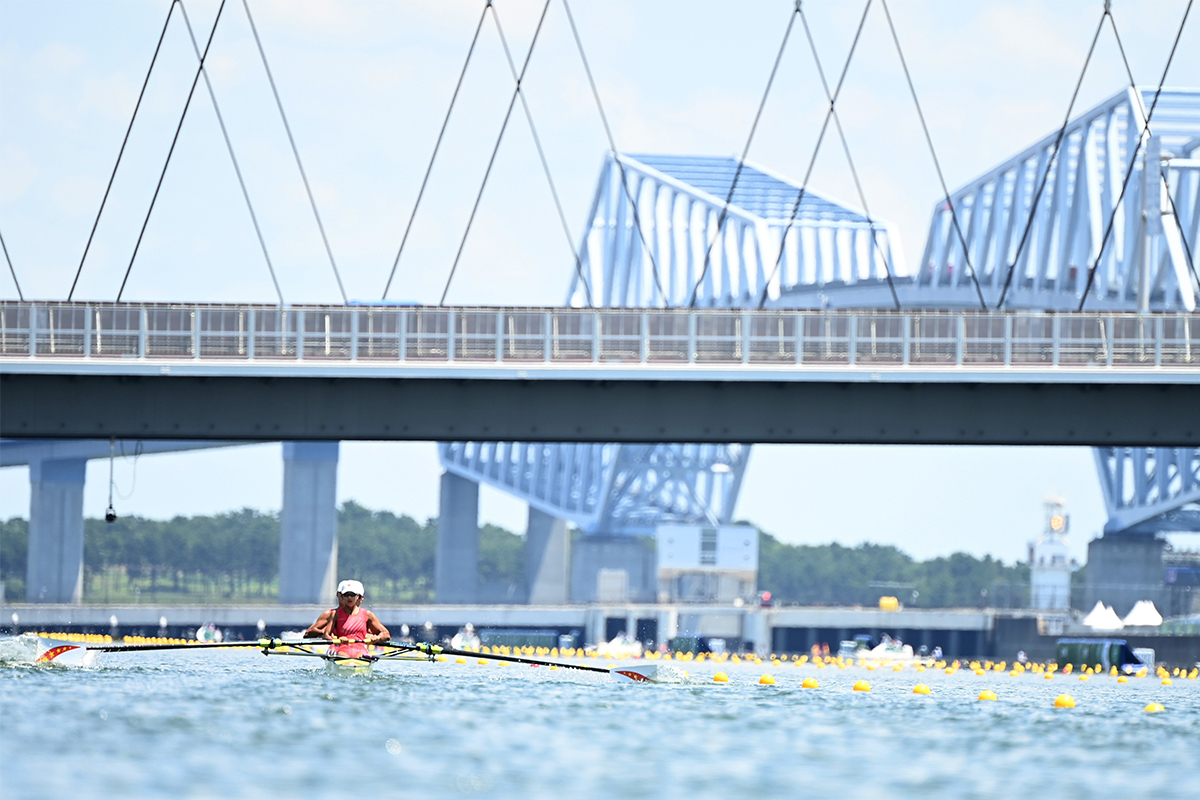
[350,626]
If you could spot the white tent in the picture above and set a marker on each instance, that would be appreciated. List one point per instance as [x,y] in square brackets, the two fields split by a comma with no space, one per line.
[1103,618]
[1144,614]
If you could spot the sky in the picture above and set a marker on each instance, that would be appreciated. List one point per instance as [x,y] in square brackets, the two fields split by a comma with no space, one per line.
[366,86]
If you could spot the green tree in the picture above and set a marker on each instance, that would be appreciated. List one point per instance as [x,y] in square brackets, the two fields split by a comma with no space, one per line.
[382,549]
[14,554]
[501,555]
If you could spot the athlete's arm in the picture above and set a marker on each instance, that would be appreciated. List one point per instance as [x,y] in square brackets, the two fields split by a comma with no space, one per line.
[322,628]
[376,632]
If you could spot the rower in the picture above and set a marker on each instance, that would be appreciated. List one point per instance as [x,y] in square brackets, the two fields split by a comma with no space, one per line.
[349,620]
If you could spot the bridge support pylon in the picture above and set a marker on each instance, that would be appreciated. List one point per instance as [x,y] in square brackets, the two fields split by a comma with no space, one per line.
[613,569]
[456,570]
[308,523]
[54,572]
[547,550]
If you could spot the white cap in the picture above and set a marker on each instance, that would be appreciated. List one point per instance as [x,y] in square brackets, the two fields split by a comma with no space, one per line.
[351,586]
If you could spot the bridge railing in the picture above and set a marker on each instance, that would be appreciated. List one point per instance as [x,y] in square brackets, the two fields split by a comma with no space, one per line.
[380,334]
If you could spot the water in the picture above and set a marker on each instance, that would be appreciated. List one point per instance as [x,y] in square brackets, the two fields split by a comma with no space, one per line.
[235,724]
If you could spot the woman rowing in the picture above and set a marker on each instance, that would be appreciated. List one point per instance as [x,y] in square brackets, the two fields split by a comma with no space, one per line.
[349,621]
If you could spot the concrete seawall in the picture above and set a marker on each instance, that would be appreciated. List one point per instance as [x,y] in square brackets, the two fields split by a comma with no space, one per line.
[959,632]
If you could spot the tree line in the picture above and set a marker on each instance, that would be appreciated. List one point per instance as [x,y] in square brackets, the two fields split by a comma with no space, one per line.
[235,556]
[832,574]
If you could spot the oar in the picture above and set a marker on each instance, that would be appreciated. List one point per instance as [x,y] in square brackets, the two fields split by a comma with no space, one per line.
[437,650]
[271,644]
[267,644]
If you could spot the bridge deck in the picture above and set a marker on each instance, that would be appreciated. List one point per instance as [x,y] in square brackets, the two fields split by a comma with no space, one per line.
[574,344]
[258,372]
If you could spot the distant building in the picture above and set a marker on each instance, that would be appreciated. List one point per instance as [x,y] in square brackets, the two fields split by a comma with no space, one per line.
[702,564]
[1049,561]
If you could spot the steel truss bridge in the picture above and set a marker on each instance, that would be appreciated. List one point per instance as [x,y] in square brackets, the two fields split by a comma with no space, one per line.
[1032,229]
[773,342]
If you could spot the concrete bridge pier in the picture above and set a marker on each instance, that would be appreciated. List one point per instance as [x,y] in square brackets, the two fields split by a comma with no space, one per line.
[308,523]
[456,570]
[547,550]
[54,572]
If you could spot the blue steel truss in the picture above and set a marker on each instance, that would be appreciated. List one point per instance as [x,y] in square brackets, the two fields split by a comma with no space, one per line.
[1150,488]
[609,488]
[681,200]
[1145,263]
[629,489]
[835,257]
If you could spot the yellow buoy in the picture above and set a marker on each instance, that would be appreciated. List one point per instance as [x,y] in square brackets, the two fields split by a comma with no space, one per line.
[809,683]
[1083,677]
[483,661]
[1064,701]
[1014,674]
[987,694]
[720,677]
[862,686]
[979,671]
[1122,679]
[921,688]
[1166,682]
[1113,671]
[766,680]
[1154,708]
[1049,675]
[460,660]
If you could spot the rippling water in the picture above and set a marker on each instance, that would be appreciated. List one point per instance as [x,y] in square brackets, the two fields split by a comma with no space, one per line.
[235,724]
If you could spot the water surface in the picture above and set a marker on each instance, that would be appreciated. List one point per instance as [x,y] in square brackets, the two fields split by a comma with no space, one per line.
[222,724]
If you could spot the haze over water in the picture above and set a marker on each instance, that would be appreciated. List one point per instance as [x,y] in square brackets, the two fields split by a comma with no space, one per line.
[236,724]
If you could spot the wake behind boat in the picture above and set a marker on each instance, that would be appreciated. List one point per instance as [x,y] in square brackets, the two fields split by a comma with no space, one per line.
[29,648]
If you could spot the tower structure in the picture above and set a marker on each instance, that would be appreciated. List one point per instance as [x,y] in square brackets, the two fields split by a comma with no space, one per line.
[1049,560]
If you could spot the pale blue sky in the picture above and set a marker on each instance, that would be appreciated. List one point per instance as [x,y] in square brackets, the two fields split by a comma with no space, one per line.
[366,86]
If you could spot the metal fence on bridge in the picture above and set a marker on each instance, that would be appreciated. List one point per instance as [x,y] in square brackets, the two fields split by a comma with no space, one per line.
[573,336]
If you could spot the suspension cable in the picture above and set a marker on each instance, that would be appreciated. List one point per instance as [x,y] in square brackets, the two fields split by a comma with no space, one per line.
[1174,211]
[745,152]
[937,165]
[295,151]
[612,146]
[1037,196]
[17,283]
[121,152]
[495,150]
[862,196]
[437,146]
[812,161]
[174,141]
[542,155]
[1133,159]
[229,145]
